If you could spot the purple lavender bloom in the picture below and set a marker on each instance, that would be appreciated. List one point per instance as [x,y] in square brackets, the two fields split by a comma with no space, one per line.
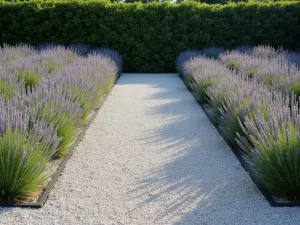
[115,56]
[37,122]
[12,54]
[184,57]
[264,51]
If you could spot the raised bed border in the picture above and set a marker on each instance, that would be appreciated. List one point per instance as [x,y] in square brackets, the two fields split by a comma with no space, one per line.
[265,192]
[44,196]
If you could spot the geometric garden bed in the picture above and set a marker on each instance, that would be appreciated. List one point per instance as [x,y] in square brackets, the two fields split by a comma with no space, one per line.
[274,202]
[38,101]
[45,193]
[49,96]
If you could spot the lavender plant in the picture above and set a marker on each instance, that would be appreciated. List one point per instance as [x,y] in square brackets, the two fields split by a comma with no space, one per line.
[13,117]
[274,150]
[12,54]
[249,101]
[276,71]
[10,85]
[79,88]
[184,57]
[209,73]
[39,124]
[25,149]
[265,51]
[291,85]
[48,102]
[23,164]
[244,63]
[55,59]
[235,105]
[195,66]
[217,93]
[234,59]
[115,56]
[253,112]
[29,71]
[102,71]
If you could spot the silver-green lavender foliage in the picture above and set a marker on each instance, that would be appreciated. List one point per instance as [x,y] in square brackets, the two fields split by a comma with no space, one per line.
[109,53]
[197,64]
[184,57]
[265,51]
[26,146]
[259,111]
[12,54]
[219,91]
[10,84]
[273,149]
[13,118]
[234,59]
[56,59]
[276,71]
[244,63]
[44,98]
[209,72]
[249,99]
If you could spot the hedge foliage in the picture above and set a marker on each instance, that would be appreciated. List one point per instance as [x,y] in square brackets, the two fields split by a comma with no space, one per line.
[150,36]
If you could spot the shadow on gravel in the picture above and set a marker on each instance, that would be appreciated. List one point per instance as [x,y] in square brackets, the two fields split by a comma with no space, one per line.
[201,173]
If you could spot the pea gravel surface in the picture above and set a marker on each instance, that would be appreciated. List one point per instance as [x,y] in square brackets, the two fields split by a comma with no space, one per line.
[151,156]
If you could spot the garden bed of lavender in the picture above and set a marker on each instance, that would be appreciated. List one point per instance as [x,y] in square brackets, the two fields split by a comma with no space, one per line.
[48,96]
[252,97]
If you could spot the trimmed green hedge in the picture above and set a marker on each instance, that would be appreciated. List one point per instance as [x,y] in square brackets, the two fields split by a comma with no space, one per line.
[150,36]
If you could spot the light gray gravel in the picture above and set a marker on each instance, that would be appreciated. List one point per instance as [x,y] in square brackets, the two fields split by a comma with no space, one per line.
[152,157]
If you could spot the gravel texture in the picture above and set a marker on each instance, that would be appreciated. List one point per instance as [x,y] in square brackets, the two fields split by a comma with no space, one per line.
[152,157]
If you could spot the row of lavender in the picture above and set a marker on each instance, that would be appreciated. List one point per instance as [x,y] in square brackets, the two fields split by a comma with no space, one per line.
[253,97]
[46,95]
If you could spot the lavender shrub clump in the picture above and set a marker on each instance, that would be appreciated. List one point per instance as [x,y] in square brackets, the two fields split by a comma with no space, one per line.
[277,68]
[265,51]
[248,100]
[184,57]
[45,97]
[253,96]
[273,150]
[113,55]
[202,73]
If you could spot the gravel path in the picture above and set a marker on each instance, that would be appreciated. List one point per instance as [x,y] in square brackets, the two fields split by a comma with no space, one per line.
[152,157]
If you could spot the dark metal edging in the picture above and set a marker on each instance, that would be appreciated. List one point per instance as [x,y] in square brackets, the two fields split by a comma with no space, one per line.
[44,196]
[266,193]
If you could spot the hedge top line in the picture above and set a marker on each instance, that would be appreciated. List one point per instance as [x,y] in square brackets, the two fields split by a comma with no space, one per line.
[40,4]
[150,36]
